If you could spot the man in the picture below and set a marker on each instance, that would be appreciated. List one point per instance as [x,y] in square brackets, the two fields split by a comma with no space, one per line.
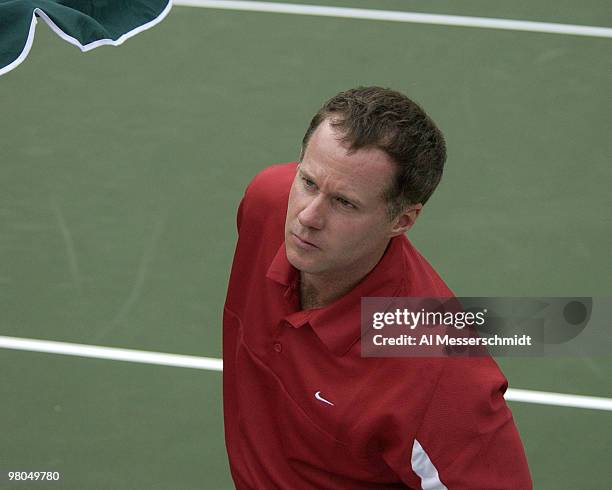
[303,409]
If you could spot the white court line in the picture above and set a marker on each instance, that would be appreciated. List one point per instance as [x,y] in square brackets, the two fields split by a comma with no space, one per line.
[112,353]
[398,16]
[178,360]
[559,399]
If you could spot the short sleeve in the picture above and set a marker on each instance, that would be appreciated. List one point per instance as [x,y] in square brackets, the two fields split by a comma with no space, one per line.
[467,438]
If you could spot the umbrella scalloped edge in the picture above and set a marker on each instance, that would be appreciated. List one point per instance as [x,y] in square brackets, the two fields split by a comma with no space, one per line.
[68,38]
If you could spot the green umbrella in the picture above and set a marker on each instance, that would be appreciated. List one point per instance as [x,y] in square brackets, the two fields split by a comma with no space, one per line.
[86,24]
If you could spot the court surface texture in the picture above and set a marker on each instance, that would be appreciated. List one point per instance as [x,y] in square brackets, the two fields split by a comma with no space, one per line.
[120,175]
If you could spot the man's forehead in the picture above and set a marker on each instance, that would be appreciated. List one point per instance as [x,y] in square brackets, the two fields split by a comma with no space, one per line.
[367,172]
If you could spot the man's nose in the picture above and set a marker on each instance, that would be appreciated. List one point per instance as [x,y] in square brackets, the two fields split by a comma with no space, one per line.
[313,215]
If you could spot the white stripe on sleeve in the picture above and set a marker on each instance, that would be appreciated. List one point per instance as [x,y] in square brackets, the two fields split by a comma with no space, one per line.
[425,469]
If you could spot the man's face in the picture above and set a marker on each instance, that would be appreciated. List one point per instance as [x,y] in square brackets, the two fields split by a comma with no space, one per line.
[337,219]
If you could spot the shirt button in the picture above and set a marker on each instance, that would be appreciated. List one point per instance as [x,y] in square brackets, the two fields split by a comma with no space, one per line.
[278,347]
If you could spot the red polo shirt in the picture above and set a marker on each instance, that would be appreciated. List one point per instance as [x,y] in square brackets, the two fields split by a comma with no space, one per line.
[303,409]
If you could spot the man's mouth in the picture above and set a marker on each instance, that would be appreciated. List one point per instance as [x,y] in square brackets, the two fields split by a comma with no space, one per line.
[302,243]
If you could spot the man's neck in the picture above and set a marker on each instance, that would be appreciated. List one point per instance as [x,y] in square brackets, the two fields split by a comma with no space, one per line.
[320,290]
[317,294]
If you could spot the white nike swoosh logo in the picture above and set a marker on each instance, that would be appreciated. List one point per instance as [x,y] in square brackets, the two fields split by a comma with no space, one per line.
[319,397]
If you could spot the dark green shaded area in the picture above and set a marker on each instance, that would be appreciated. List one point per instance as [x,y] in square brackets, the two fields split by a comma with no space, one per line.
[120,174]
[84,22]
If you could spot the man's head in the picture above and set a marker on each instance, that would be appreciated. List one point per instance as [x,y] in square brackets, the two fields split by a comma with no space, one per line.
[370,159]
[375,117]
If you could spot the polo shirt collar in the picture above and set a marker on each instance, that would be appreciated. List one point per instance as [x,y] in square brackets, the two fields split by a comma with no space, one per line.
[338,325]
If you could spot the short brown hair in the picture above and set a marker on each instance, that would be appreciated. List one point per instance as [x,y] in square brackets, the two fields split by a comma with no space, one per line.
[385,119]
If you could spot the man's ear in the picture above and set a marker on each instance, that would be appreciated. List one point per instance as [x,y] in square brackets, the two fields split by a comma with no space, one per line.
[406,219]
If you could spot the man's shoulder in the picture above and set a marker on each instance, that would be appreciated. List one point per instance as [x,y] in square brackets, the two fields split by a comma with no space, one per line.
[272,184]
[422,278]
[266,196]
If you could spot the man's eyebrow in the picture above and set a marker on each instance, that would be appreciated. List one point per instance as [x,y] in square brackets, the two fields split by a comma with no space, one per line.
[305,174]
[350,199]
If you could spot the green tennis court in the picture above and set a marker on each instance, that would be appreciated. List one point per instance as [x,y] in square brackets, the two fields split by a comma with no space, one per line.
[121,172]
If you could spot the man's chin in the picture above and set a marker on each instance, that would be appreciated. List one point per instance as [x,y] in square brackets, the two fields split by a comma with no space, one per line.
[301,263]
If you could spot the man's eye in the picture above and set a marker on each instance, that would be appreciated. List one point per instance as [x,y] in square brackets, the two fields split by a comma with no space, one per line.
[345,203]
[308,183]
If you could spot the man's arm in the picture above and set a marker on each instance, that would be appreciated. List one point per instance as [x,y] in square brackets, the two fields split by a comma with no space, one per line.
[467,439]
